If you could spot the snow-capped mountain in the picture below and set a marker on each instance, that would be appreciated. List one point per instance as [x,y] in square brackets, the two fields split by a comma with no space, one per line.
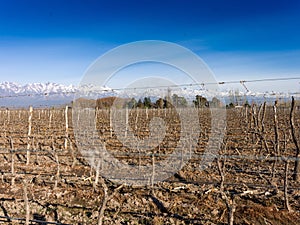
[35,94]
[47,94]
[52,94]
[10,88]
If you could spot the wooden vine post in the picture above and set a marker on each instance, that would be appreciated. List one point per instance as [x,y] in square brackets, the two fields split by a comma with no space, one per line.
[126,121]
[67,127]
[276,144]
[26,203]
[296,174]
[110,121]
[276,129]
[50,118]
[13,174]
[29,135]
[286,197]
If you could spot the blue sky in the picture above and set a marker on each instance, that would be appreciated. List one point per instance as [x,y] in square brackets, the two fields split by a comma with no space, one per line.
[56,41]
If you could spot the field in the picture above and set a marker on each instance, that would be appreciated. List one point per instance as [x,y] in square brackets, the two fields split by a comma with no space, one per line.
[45,178]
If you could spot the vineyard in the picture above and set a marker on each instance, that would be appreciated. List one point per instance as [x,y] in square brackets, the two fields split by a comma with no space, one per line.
[254,178]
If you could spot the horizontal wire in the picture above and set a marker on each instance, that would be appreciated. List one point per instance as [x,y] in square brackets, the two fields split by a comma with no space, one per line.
[211,83]
[158,86]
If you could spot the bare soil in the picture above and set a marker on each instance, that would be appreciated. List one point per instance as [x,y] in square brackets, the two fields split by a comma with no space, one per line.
[61,184]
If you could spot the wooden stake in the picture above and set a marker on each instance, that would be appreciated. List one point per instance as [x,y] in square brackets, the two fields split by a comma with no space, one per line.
[13,175]
[67,127]
[27,209]
[286,198]
[57,171]
[29,135]
[296,174]
[276,145]
[126,121]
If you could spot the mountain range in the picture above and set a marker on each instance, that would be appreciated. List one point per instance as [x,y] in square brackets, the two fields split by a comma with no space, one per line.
[45,94]
[12,88]
[52,94]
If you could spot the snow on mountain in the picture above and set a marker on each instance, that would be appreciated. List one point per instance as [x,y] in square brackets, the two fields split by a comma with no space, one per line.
[9,88]
[51,94]
[47,94]
[35,94]
[12,88]
[34,88]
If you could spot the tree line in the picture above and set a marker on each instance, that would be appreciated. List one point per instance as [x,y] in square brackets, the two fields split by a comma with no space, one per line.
[160,103]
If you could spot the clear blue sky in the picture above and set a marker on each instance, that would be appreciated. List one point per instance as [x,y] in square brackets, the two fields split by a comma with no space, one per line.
[54,40]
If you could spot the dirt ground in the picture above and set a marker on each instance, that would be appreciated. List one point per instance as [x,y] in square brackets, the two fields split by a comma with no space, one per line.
[58,185]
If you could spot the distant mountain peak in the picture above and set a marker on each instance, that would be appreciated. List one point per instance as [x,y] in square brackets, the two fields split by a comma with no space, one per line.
[34,88]
[13,94]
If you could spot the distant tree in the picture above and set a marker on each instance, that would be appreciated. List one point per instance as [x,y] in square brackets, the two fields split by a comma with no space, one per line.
[215,102]
[132,103]
[140,104]
[179,101]
[147,102]
[175,99]
[160,103]
[231,105]
[246,104]
[200,102]
[167,102]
